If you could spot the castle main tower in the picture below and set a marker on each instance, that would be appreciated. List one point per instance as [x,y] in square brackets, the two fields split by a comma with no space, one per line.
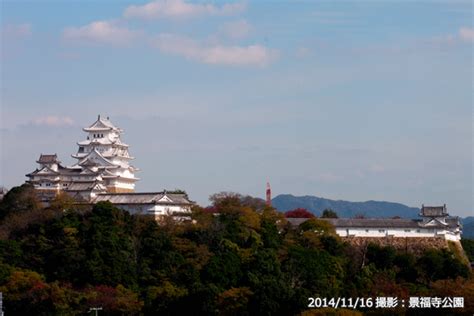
[103,151]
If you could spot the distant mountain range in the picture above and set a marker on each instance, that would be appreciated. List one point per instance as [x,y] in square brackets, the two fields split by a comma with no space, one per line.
[468,227]
[317,205]
[371,209]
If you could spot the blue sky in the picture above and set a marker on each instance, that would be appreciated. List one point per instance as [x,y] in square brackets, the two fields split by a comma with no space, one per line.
[353,100]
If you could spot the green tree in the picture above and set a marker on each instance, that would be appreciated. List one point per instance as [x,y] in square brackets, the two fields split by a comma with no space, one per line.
[19,199]
[329,213]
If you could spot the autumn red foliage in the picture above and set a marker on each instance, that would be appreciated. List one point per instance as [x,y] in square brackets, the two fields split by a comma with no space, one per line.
[299,213]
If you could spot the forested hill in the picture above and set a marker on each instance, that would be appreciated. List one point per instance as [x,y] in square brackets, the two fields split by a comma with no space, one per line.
[229,260]
[316,205]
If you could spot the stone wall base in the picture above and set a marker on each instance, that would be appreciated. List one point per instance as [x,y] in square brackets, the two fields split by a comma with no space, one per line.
[415,245]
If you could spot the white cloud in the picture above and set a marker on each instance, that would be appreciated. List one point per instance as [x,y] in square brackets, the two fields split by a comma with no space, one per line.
[302,52]
[330,177]
[101,32]
[17,30]
[216,53]
[53,121]
[466,34]
[236,29]
[180,9]
[377,168]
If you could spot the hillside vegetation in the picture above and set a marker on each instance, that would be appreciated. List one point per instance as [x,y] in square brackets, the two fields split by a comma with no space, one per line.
[232,260]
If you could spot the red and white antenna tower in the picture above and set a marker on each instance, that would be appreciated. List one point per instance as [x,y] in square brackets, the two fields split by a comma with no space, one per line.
[269,195]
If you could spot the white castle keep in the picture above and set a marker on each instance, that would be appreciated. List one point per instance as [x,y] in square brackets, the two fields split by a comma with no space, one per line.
[103,165]
[103,173]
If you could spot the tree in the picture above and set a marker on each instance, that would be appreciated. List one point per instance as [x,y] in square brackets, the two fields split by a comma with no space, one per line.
[25,293]
[237,261]
[234,301]
[114,300]
[19,199]
[299,213]
[441,264]
[62,202]
[382,257]
[468,246]
[329,213]
[318,226]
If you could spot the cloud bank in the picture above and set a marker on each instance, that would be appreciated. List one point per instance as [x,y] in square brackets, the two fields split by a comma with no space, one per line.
[214,54]
[101,32]
[466,34]
[53,121]
[17,30]
[180,9]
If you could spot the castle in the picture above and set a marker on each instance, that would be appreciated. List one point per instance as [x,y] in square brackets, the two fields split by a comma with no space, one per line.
[103,173]
[434,222]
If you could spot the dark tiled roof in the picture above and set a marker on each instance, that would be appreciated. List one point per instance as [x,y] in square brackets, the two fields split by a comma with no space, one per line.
[143,198]
[373,222]
[48,159]
[82,186]
[48,172]
[377,222]
[433,211]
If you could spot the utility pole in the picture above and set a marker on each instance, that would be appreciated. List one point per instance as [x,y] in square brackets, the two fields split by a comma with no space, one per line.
[95,309]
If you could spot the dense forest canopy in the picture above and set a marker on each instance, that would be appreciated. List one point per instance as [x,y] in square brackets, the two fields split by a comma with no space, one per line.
[240,258]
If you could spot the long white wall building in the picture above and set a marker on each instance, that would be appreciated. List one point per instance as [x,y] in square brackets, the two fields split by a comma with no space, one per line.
[434,222]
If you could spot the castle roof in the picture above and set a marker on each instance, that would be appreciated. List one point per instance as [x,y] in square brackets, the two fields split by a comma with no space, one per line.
[145,198]
[85,186]
[102,141]
[102,125]
[48,159]
[45,171]
[433,211]
[451,222]
[97,158]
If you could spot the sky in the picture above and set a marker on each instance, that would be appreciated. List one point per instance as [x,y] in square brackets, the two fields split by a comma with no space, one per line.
[352,100]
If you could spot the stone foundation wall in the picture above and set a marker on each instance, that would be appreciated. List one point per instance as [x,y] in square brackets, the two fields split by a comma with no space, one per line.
[413,245]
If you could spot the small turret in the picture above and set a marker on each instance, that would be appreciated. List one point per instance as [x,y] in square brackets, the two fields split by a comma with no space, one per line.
[50,161]
[432,214]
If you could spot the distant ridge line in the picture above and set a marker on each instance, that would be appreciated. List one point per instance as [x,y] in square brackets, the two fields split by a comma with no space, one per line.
[370,208]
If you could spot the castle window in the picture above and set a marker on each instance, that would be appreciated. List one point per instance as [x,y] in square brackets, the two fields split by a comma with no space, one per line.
[64,184]
[48,184]
[407,230]
[381,230]
[417,230]
[366,230]
[81,149]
